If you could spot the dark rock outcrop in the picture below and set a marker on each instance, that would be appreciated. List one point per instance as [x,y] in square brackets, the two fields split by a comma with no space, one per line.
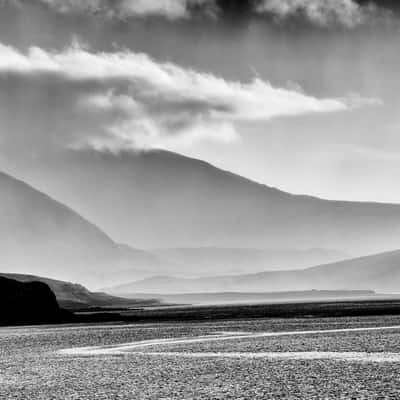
[24,303]
[72,296]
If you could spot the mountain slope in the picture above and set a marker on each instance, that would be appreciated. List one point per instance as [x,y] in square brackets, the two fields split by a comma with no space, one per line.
[203,261]
[380,272]
[40,235]
[159,199]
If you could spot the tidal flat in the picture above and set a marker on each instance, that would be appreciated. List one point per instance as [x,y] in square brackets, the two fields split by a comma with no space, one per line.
[308,358]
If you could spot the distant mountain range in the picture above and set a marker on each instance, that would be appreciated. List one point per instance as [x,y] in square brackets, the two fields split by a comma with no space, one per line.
[206,261]
[39,235]
[379,272]
[159,199]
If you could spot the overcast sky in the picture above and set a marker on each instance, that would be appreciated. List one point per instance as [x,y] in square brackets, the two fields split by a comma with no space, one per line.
[298,94]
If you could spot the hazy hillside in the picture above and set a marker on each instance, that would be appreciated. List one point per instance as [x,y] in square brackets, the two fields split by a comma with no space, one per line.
[159,199]
[39,235]
[379,272]
[42,236]
[213,260]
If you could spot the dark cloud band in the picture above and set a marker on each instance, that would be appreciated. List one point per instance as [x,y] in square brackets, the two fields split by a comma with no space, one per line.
[326,13]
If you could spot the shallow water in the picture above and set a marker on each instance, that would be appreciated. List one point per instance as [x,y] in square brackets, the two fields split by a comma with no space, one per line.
[258,359]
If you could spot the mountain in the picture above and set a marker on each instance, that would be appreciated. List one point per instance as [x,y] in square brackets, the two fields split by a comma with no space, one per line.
[213,260]
[74,296]
[40,235]
[380,272]
[159,199]
[28,303]
[149,261]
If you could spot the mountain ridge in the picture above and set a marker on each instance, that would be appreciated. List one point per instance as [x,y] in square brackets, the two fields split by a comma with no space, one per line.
[41,235]
[161,199]
[379,272]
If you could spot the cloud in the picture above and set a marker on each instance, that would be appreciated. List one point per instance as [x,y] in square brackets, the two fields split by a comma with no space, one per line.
[323,13]
[171,9]
[354,100]
[129,100]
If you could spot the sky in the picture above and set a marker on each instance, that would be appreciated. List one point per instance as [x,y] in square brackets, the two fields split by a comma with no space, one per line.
[302,95]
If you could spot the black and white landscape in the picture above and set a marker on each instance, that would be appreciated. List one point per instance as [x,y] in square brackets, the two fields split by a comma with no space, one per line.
[199,199]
